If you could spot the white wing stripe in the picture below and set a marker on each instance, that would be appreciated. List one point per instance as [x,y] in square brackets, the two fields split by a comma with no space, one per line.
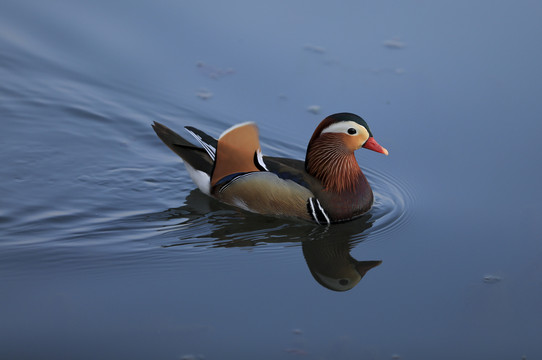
[210,149]
[260,159]
[322,211]
[317,213]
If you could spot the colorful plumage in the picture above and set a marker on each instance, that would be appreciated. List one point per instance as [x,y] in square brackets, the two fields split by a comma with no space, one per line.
[327,187]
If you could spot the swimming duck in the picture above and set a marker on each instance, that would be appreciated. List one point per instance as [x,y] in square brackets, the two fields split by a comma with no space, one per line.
[327,187]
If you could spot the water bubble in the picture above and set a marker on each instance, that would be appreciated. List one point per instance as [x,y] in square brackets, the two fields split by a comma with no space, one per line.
[315,109]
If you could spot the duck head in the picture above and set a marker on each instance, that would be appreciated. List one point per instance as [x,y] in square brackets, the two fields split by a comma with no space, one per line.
[330,153]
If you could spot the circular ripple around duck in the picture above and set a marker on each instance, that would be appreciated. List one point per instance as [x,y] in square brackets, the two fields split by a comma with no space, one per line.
[391,208]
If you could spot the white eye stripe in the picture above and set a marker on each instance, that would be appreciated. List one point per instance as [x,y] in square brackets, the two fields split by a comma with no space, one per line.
[343,127]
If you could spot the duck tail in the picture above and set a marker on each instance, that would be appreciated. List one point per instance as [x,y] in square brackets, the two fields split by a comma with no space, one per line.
[201,159]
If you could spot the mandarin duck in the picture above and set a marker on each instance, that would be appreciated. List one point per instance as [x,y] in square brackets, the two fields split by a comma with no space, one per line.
[327,187]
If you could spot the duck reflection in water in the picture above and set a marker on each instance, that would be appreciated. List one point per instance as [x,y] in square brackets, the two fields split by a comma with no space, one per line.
[331,264]
[205,222]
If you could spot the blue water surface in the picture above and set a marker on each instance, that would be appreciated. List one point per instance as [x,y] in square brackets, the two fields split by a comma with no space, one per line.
[108,251]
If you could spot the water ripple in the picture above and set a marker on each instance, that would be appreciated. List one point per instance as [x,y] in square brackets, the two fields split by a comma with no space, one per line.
[393,199]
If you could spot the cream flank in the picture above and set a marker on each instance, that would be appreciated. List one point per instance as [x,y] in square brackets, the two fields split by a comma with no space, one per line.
[200,178]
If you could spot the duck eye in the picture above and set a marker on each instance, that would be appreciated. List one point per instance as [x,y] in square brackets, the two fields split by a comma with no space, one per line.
[352,131]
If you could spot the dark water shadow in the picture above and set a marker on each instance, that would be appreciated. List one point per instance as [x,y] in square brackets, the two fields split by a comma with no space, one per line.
[204,222]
